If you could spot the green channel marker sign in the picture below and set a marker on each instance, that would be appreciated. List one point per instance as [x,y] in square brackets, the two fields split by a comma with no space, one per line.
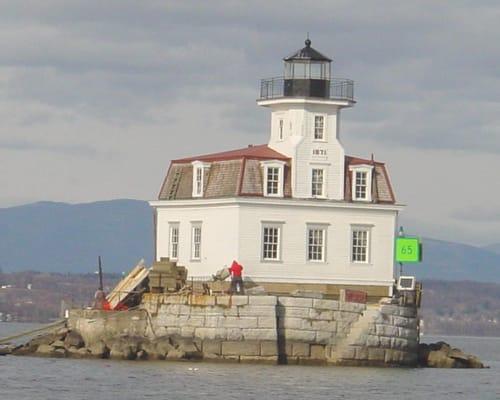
[408,250]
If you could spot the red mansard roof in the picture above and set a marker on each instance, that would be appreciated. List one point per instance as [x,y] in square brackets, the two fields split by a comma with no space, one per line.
[381,184]
[232,173]
[238,173]
[350,160]
[260,152]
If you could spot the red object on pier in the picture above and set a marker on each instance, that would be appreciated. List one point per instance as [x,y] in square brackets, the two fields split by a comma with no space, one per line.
[355,296]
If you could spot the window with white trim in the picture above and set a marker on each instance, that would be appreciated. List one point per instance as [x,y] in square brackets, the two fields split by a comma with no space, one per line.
[271,246]
[361,182]
[199,181]
[316,241]
[272,172]
[199,169]
[319,127]
[173,239]
[360,251]
[196,241]
[318,182]
[272,180]
[360,189]
[280,129]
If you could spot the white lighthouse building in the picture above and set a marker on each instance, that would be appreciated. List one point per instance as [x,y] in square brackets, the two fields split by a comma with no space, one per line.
[296,212]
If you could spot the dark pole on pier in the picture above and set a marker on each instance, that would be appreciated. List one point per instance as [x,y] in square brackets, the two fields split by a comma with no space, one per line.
[101,287]
[401,233]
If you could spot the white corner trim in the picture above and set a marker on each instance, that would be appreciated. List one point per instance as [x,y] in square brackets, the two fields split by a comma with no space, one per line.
[272,201]
[304,100]
[272,163]
[362,167]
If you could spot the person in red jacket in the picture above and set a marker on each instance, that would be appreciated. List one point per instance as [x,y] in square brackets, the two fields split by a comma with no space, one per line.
[236,277]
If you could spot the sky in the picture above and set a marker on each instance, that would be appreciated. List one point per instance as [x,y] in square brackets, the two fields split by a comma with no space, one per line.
[97,97]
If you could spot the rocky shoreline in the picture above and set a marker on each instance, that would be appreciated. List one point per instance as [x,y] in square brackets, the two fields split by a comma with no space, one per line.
[66,343]
[442,355]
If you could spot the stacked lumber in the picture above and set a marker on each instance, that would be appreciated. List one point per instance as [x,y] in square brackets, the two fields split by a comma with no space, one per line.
[166,276]
[128,284]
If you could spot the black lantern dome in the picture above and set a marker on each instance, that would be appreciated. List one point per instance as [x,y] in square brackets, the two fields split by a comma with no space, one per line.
[307,73]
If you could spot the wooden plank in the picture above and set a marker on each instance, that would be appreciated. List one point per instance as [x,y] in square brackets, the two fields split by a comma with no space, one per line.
[130,275]
[128,287]
[119,287]
[127,284]
[373,292]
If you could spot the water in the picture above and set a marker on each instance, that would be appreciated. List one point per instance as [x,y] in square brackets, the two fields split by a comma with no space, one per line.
[53,379]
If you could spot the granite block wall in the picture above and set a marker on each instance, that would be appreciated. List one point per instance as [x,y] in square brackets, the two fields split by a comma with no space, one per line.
[271,329]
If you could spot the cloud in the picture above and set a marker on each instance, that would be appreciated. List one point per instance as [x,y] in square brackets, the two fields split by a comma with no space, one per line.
[68,150]
[478,213]
[425,73]
[121,87]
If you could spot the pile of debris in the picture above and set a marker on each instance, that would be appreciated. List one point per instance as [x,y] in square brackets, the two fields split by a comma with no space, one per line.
[164,276]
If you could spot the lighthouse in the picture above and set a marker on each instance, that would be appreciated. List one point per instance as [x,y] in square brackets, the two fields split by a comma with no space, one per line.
[296,212]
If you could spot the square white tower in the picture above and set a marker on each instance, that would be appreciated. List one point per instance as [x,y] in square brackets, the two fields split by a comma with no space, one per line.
[305,120]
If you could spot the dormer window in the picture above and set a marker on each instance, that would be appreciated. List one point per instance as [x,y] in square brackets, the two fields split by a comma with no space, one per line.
[199,181]
[360,190]
[199,169]
[361,182]
[273,178]
[319,127]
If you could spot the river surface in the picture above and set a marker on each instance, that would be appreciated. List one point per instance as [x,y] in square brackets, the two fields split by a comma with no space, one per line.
[65,379]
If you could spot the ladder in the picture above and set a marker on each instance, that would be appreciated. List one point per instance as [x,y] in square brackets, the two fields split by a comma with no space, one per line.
[175,185]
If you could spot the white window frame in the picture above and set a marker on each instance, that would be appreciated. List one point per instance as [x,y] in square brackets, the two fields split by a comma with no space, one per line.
[281,129]
[266,165]
[322,195]
[368,230]
[368,170]
[196,241]
[323,228]
[199,169]
[278,226]
[323,131]
[173,246]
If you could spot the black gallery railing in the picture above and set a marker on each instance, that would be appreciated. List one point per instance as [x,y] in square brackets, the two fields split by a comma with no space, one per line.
[338,89]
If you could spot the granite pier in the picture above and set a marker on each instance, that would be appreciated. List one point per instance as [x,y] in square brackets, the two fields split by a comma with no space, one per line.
[266,329]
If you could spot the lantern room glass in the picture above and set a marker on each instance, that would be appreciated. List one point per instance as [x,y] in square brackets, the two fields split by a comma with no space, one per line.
[307,69]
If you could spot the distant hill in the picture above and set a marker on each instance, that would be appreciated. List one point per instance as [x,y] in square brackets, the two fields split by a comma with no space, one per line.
[60,237]
[456,262]
[461,308]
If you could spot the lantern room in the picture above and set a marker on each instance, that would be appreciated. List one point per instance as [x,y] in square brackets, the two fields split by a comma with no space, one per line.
[307,73]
